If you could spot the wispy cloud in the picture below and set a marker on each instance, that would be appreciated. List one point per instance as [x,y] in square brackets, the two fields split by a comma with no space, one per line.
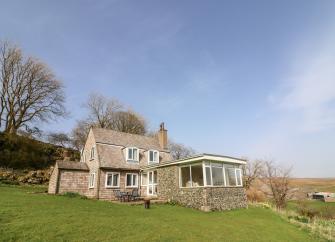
[309,90]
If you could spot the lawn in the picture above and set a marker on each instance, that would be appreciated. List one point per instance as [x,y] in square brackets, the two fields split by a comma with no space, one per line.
[29,216]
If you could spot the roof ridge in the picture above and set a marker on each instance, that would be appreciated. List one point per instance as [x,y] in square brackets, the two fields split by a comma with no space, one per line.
[121,132]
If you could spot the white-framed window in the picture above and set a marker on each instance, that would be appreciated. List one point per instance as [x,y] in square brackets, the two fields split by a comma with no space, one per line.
[144,179]
[131,180]
[191,175]
[92,154]
[153,156]
[112,179]
[210,174]
[91,180]
[132,154]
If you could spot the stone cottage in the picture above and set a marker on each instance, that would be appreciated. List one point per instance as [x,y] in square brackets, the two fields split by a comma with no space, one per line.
[115,160]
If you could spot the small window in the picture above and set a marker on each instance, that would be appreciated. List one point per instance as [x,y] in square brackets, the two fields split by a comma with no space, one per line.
[153,156]
[132,154]
[112,179]
[131,180]
[91,180]
[92,153]
[144,179]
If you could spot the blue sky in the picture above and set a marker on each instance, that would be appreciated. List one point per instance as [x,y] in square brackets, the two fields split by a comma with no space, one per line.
[244,78]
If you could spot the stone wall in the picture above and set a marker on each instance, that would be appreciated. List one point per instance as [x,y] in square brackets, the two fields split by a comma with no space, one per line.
[74,181]
[53,181]
[204,198]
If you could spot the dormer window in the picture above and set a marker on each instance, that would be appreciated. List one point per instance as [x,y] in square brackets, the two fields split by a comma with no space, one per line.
[132,154]
[153,156]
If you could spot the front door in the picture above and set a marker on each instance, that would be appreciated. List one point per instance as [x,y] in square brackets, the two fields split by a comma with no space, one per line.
[152,183]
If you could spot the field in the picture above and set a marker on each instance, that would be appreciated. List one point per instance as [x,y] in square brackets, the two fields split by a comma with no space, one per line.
[26,215]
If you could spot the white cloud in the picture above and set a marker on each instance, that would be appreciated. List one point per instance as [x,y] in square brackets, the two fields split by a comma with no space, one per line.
[309,92]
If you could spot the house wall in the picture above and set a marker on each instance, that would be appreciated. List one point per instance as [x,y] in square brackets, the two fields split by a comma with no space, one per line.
[93,164]
[52,189]
[74,181]
[204,198]
[107,193]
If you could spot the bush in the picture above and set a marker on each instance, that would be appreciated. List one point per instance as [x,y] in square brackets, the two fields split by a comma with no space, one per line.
[74,195]
[255,195]
[20,152]
[9,182]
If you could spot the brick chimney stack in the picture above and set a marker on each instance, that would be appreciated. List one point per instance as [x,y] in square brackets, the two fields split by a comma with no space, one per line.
[162,137]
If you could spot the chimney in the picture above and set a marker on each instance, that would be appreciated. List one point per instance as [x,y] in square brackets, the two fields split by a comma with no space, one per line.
[162,137]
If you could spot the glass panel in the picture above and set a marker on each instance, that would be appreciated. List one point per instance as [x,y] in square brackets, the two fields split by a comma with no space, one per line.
[155,177]
[135,154]
[150,177]
[128,179]
[116,180]
[151,156]
[144,179]
[109,180]
[208,176]
[238,177]
[231,180]
[185,176]
[134,180]
[197,176]
[150,190]
[155,156]
[217,174]
[130,154]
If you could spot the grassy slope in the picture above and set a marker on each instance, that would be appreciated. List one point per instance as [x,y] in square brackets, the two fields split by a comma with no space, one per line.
[25,216]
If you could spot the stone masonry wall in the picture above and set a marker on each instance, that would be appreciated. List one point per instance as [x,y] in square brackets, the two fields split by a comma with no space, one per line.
[53,181]
[204,198]
[74,181]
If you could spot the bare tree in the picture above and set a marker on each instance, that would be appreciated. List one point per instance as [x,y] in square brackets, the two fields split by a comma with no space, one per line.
[29,91]
[102,109]
[252,171]
[278,179]
[107,113]
[79,133]
[129,122]
[180,151]
[61,139]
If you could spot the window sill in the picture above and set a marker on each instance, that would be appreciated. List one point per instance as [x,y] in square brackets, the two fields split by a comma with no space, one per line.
[131,186]
[112,187]
[133,162]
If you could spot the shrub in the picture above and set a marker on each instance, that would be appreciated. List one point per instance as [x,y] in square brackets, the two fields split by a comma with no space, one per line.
[74,195]
[255,195]
[21,152]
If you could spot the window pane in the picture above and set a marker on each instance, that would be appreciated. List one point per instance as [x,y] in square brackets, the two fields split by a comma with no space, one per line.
[151,156]
[208,176]
[197,176]
[144,179]
[116,180]
[185,176]
[217,174]
[238,177]
[150,177]
[130,154]
[135,154]
[155,177]
[231,180]
[128,180]
[134,180]
[109,180]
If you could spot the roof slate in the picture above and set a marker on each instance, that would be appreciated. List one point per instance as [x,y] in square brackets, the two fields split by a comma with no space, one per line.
[108,136]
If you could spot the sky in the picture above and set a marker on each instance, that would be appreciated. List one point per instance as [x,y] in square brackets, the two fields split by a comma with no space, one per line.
[251,79]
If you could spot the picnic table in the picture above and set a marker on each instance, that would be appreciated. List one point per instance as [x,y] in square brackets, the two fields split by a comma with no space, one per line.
[126,196]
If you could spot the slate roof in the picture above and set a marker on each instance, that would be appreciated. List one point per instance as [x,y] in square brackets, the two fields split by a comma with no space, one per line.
[108,136]
[72,165]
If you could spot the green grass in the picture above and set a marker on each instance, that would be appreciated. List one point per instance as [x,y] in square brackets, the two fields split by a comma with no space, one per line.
[29,216]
